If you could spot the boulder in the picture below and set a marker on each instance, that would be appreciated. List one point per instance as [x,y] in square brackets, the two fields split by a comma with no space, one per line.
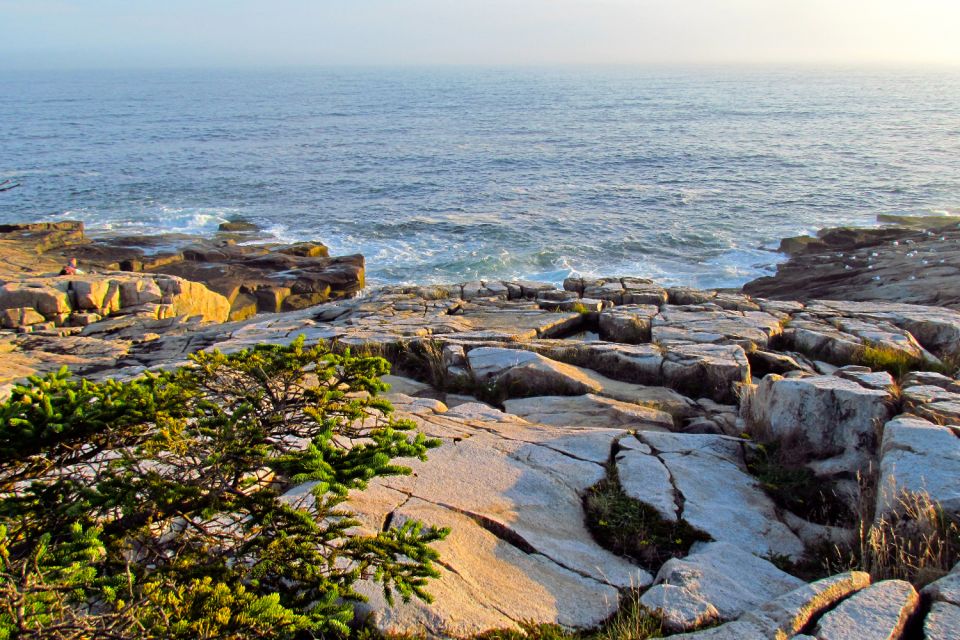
[627,323]
[732,580]
[946,589]
[792,612]
[39,294]
[679,609]
[838,419]
[879,612]
[712,370]
[931,379]
[714,325]
[90,294]
[21,317]
[936,328]
[942,622]
[736,630]
[518,373]
[918,456]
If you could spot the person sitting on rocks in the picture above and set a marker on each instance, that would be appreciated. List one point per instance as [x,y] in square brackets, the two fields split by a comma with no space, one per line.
[71,269]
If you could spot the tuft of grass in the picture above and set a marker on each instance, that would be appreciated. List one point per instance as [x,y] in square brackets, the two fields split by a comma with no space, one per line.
[424,359]
[896,362]
[918,542]
[949,365]
[632,621]
[631,528]
[579,307]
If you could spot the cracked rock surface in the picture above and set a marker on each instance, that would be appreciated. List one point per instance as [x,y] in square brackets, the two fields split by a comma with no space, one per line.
[518,549]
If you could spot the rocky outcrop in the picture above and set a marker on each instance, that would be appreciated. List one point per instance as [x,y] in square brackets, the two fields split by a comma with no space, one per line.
[887,265]
[836,418]
[918,456]
[663,417]
[32,303]
[723,575]
[518,550]
[258,277]
[589,411]
[703,479]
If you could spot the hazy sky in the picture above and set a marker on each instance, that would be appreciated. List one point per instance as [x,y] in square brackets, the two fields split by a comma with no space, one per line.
[176,33]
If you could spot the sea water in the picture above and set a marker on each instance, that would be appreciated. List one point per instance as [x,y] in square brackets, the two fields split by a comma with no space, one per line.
[688,176]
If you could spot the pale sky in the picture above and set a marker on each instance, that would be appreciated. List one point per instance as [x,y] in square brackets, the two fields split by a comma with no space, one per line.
[240,33]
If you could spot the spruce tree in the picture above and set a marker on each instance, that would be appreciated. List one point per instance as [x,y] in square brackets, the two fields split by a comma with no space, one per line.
[159,507]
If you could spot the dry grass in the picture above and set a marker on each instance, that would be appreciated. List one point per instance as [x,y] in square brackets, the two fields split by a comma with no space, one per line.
[632,621]
[917,542]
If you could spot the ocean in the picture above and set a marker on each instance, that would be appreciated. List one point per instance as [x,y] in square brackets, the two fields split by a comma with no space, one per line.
[687,176]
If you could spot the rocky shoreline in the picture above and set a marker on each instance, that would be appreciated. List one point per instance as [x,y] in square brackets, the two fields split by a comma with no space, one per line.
[539,394]
[253,276]
[917,264]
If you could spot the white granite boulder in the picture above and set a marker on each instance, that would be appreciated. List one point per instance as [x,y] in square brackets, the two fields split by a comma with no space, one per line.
[879,612]
[918,456]
[732,580]
[836,417]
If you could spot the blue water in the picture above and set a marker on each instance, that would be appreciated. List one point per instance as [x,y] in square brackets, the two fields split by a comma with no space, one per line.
[687,176]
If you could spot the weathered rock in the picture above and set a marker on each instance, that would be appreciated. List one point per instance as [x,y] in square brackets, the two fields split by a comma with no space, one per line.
[644,477]
[917,456]
[790,613]
[736,630]
[935,328]
[628,323]
[930,379]
[732,580]
[871,265]
[524,373]
[714,325]
[942,622]
[21,317]
[946,589]
[518,549]
[878,380]
[764,362]
[718,496]
[686,295]
[237,225]
[837,418]
[712,370]
[588,411]
[90,294]
[841,340]
[35,294]
[679,609]
[879,612]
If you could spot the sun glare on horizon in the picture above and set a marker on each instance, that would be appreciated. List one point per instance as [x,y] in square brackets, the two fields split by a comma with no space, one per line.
[107,33]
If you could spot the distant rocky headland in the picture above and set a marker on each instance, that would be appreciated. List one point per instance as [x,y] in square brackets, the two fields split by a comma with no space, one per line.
[253,277]
[765,434]
[916,260]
